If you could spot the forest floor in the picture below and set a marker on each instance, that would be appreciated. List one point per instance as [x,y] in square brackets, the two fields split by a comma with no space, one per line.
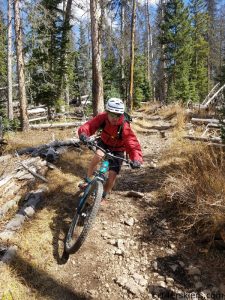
[133,250]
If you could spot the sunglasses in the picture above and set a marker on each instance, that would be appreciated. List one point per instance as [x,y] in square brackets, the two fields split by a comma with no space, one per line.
[113,115]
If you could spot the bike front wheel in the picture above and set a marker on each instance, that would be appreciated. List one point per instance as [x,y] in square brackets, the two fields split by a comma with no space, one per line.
[83,220]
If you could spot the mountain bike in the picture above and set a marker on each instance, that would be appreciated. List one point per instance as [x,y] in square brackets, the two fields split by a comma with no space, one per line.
[89,203]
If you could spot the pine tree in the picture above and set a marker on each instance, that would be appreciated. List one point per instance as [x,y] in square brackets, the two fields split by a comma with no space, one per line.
[142,88]
[44,63]
[83,61]
[212,39]
[110,59]
[177,48]
[199,72]
[111,76]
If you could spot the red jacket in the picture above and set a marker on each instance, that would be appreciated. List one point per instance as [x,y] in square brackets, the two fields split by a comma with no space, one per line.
[109,135]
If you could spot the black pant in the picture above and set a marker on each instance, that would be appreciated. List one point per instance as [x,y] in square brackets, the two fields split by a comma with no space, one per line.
[114,163]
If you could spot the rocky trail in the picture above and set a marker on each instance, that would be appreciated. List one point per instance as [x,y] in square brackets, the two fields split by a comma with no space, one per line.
[132,252]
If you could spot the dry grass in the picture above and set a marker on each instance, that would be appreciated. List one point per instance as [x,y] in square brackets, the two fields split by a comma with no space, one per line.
[175,113]
[33,138]
[195,188]
[150,107]
[33,271]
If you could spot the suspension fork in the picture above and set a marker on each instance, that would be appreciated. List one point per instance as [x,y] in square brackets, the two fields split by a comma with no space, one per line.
[83,198]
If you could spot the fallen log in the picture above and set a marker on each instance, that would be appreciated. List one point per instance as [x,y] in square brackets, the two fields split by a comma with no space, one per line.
[5,180]
[27,211]
[59,125]
[161,127]
[34,111]
[9,205]
[204,139]
[13,183]
[5,158]
[38,119]
[211,125]
[217,145]
[10,190]
[206,121]
[9,254]
[43,149]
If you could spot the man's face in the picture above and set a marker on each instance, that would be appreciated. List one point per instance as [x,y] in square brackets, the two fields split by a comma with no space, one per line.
[113,117]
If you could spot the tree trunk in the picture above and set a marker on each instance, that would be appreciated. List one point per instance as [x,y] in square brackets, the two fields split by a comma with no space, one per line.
[9,70]
[97,80]
[67,90]
[163,77]
[149,50]
[20,68]
[64,89]
[122,57]
[213,57]
[131,89]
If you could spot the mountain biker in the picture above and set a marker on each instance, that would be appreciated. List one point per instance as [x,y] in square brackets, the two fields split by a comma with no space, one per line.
[111,121]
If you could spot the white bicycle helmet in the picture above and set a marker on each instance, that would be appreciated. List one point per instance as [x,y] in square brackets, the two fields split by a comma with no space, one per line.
[115,105]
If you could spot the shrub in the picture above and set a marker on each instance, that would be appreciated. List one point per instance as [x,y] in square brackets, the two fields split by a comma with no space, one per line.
[196,191]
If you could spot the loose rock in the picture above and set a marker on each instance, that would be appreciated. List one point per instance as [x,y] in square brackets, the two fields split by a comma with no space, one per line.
[129,222]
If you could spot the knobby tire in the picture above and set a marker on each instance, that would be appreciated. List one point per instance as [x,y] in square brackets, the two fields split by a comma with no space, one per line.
[73,245]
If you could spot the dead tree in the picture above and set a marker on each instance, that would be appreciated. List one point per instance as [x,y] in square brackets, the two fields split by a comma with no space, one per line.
[9,61]
[131,88]
[97,80]
[20,68]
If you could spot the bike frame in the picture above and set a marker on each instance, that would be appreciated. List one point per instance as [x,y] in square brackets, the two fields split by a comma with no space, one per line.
[99,174]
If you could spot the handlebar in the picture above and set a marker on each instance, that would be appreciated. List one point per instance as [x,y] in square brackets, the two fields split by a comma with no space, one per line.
[92,144]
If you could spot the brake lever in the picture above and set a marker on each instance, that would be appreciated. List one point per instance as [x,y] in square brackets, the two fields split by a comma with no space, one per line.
[91,144]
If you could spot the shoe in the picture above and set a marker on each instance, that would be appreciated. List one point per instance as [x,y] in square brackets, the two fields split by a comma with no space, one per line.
[82,185]
[104,202]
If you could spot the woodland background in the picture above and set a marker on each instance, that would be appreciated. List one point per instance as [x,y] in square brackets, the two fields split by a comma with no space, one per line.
[58,51]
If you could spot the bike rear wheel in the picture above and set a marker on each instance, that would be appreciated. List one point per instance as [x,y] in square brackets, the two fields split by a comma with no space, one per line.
[83,220]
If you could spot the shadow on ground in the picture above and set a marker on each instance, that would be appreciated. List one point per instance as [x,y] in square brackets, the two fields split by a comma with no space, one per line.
[191,266]
[144,180]
[65,211]
[53,290]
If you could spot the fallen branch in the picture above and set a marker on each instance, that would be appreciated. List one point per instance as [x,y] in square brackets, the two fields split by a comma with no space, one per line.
[33,173]
[59,125]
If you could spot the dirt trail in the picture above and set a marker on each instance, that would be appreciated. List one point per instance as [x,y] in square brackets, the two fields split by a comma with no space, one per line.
[131,253]
[116,260]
